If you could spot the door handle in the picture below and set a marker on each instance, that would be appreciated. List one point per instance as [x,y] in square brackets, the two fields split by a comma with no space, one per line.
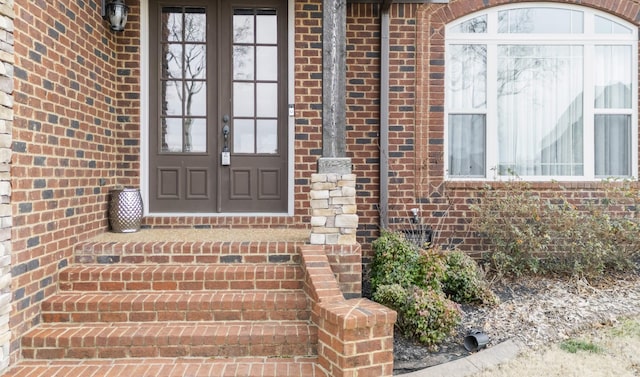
[225,158]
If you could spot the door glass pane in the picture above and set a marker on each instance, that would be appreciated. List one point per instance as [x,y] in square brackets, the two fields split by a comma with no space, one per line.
[613,145]
[255,86]
[540,115]
[183,80]
[196,101]
[195,25]
[243,136]
[172,61]
[266,28]
[172,135]
[243,99]
[195,135]
[267,95]
[243,63]
[171,97]
[172,24]
[195,61]
[267,63]
[243,27]
[613,72]
[467,145]
[267,136]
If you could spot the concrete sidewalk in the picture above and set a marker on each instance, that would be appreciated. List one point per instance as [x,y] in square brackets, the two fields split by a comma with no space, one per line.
[473,364]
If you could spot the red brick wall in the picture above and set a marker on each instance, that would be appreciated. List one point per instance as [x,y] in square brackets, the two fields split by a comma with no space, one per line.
[74,137]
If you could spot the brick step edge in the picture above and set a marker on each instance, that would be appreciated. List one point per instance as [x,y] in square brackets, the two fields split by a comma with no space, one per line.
[172,367]
[175,277]
[253,305]
[175,339]
[188,252]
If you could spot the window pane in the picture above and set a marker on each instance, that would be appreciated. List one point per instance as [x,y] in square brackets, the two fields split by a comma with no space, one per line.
[267,28]
[267,66]
[613,72]
[243,27]
[195,135]
[243,63]
[243,136]
[267,136]
[467,76]
[243,99]
[474,25]
[171,135]
[540,115]
[540,20]
[605,26]
[196,98]
[267,95]
[172,61]
[171,97]
[467,145]
[195,61]
[172,24]
[612,145]
[195,25]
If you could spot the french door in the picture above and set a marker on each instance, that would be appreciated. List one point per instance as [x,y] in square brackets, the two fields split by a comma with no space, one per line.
[218,109]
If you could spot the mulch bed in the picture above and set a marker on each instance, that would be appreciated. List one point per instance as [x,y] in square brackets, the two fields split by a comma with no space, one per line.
[536,311]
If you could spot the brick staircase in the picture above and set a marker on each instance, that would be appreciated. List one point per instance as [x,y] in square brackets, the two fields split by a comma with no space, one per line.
[219,308]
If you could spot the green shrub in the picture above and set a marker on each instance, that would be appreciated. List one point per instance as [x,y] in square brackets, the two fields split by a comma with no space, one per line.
[413,282]
[423,314]
[395,261]
[463,281]
[555,235]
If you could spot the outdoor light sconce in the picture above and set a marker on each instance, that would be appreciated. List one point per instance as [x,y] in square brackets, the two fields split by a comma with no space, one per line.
[116,12]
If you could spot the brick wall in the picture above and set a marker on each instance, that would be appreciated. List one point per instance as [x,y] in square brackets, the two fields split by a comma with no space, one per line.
[74,137]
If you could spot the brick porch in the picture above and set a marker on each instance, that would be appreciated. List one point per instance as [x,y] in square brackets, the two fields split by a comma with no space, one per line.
[209,308]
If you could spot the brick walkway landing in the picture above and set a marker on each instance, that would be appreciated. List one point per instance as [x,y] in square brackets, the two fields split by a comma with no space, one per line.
[169,367]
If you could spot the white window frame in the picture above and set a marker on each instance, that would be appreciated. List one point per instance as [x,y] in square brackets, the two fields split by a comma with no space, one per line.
[589,39]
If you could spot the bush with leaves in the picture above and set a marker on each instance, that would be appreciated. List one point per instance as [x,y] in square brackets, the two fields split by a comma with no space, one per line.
[556,235]
[463,281]
[423,314]
[413,282]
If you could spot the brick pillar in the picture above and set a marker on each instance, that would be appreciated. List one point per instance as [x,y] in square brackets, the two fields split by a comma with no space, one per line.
[355,337]
[6,124]
[334,218]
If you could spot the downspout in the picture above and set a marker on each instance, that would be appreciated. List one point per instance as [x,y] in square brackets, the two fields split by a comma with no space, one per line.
[384,114]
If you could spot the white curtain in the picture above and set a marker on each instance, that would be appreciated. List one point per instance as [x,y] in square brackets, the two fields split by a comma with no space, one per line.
[467,96]
[540,110]
[612,94]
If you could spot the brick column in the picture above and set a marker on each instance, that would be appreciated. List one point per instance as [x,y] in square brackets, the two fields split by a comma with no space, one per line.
[334,218]
[355,337]
[6,124]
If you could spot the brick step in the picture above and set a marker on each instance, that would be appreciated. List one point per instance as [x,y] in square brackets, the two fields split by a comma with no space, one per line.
[140,278]
[187,252]
[171,367]
[170,339]
[231,305]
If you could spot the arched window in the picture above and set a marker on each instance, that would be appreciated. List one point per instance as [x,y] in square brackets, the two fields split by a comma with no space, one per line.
[543,92]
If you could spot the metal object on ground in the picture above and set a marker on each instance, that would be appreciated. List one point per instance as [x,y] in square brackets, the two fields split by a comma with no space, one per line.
[125,210]
[475,341]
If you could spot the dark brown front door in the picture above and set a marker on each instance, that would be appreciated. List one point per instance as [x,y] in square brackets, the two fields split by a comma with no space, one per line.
[218,124]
